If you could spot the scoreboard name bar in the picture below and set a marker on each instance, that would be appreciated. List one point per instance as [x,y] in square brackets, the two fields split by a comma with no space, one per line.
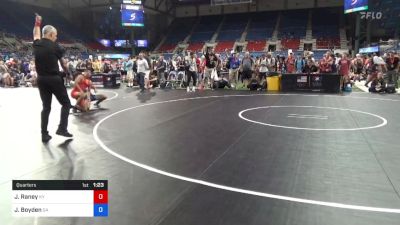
[59,185]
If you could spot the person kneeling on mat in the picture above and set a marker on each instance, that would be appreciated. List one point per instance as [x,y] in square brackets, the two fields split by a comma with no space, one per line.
[221,83]
[378,84]
[81,92]
[93,95]
[254,85]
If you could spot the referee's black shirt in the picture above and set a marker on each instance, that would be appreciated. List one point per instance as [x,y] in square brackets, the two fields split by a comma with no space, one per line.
[47,54]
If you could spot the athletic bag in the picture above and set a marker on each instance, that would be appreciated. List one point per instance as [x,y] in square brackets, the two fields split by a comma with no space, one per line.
[390,89]
[347,87]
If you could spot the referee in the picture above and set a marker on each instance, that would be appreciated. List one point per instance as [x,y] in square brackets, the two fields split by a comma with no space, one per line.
[47,55]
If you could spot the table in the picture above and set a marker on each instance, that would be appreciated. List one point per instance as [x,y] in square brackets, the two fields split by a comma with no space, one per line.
[106,80]
[60,198]
[329,83]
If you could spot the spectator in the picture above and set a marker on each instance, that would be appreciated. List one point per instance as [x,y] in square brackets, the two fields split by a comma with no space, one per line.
[378,84]
[378,65]
[142,67]
[300,63]
[325,65]
[148,70]
[392,70]
[106,66]
[344,70]
[358,66]
[81,66]
[31,78]
[233,65]
[8,81]
[281,64]
[247,68]
[290,63]
[271,63]
[263,69]
[192,72]
[96,66]
[161,66]
[369,69]
[310,66]
[129,72]
[89,65]
[124,69]
[210,72]
[71,68]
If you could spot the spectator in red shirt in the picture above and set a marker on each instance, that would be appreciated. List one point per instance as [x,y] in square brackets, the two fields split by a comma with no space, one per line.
[344,70]
[325,65]
[290,61]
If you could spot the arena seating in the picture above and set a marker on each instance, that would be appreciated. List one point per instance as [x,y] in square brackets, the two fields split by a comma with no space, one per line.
[293,24]
[179,30]
[292,28]
[233,27]
[205,29]
[255,46]
[290,43]
[262,26]
[328,43]
[96,46]
[390,15]
[224,45]
[229,35]
[167,48]
[195,47]
[17,19]
[325,23]
[201,36]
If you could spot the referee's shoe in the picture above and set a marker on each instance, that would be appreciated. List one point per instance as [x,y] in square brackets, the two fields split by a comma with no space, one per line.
[64,133]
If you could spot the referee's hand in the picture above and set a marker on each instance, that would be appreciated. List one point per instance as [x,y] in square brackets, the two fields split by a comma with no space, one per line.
[38,18]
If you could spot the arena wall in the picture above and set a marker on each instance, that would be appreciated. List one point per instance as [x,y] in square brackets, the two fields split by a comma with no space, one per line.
[257,6]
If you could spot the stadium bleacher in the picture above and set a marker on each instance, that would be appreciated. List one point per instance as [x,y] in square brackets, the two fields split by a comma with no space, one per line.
[205,29]
[325,28]
[224,45]
[260,28]
[195,47]
[17,19]
[290,43]
[256,45]
[390,15]
[293,24]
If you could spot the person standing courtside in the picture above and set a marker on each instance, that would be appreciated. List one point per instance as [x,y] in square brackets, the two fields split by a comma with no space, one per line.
[142,67]
[47,55]
[233,65]
[393,66]
[161,66]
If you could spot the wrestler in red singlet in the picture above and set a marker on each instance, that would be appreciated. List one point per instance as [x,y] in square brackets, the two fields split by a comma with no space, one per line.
[80,91]
[83,83]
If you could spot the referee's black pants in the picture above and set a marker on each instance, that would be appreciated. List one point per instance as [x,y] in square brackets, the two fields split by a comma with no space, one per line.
[49,85]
